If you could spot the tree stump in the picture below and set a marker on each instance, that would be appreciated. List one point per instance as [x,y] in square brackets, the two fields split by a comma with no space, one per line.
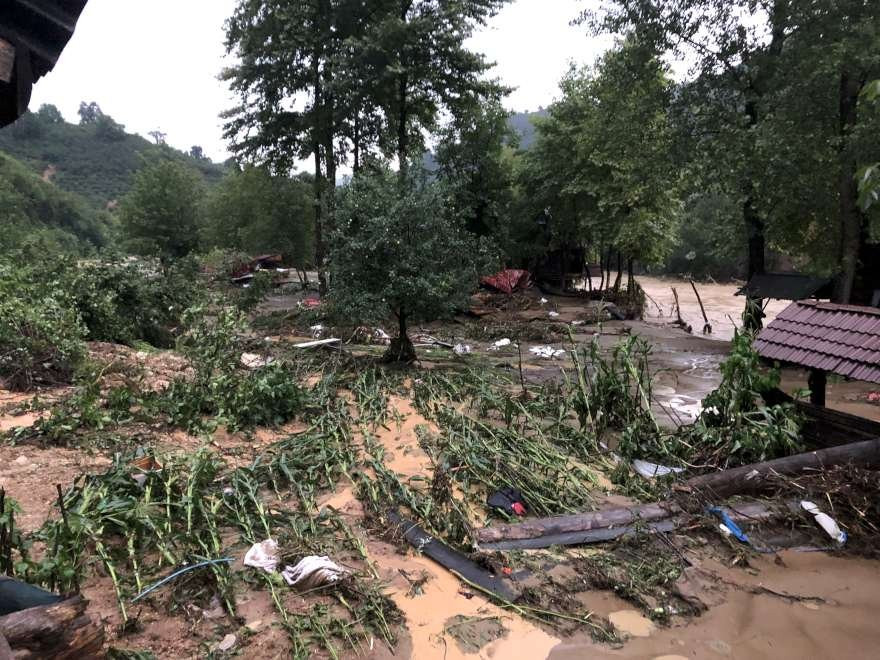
[62,631]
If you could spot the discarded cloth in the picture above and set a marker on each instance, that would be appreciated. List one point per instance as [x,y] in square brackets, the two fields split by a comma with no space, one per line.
[825,521]
[501,343]
[509,500]
[312,572]
[263,555]
[651,470]
[254,361]
[461,349]
[547,352]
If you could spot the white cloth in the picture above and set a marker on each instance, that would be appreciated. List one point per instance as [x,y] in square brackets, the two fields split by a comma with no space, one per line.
[263,555]
[312,572]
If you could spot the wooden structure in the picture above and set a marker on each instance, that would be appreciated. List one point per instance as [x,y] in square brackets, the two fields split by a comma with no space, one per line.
[62,631]
[825,338]
[32,35]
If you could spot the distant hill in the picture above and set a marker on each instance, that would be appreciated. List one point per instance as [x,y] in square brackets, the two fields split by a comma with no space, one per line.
[42,215]
[95,159]
[522,123]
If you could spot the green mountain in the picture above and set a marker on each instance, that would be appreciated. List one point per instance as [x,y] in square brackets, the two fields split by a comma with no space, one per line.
[95,158]
[523,124]
[41,215]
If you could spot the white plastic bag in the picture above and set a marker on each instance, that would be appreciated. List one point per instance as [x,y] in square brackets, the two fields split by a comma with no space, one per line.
[312,572]
[263,555]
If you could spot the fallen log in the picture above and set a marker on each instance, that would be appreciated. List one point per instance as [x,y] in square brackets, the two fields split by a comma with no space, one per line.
[580,522]
[744,511]
[754,478]
[453,560]
[62,631]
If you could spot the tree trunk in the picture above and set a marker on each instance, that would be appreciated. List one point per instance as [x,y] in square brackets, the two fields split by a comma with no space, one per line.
[630,277]
[61,631]
[401,348]
[320,181]
[619,273]
[753,478]
[848,193]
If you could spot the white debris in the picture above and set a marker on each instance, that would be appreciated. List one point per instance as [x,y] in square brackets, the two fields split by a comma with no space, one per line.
[312,572]
[227,643]
[651,470]
[544,301]
[553,315]
[318,342]
[826,522]
[461,349]
[317,331]
[254,361]
[501,343]
[381,337]
[263,555]
[547,352]
[576,323]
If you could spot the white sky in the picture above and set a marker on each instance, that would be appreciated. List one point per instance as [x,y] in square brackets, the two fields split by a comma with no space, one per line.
[154,65]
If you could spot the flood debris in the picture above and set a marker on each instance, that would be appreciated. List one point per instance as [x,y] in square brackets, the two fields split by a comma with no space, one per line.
[826,522]
[313,572]
[263,555]
[547,352]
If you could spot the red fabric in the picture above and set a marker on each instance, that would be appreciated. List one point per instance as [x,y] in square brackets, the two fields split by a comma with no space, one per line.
[518,508]
[312,302]
[507,281]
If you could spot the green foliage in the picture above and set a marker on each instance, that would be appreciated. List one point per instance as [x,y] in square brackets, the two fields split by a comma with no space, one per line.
[159,214]
[709,238]
[96,160]
[398,250]
[222,390]
[38,214]
[126,301]
[40,333]
[252,211]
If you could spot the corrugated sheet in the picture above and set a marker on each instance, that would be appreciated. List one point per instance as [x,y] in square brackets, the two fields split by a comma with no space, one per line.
[840,339]
[786,286]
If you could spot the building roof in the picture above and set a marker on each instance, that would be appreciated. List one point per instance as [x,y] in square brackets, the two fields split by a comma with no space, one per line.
[32,35]
[840,339]
[786,286]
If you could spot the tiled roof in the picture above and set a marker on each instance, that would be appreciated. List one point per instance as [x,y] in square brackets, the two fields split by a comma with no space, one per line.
[840,339]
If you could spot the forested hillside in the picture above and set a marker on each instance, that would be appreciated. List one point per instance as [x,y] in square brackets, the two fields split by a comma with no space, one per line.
[40,214]
[95,158]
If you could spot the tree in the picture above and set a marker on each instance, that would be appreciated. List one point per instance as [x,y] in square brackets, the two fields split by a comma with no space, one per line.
[158,136]
[108,130]
[160,214]
[397,249]
[292,102]
[89,112]
[197,153]
[253,211]
[50,114]
[474,158]
[735,60]
[414,55]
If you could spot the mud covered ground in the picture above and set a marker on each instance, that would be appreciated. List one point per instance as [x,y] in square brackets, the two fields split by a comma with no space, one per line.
[721,602]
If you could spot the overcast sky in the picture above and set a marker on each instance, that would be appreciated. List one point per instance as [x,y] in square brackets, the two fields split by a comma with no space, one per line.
[154,65]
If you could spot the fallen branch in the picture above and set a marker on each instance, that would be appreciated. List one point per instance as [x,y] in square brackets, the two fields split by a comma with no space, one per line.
[751,511]
[581,522]
[754,478]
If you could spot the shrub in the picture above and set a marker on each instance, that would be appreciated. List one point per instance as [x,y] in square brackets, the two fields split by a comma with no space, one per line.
[40,336]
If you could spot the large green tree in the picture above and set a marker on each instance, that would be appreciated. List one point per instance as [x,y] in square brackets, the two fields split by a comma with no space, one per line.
[159,215]
[400,250]
[253,211]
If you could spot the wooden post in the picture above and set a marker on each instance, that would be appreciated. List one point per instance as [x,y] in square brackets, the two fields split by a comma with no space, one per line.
[817,382]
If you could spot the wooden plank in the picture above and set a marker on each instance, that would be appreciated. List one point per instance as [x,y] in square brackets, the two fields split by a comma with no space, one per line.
[320,342]
[61,631]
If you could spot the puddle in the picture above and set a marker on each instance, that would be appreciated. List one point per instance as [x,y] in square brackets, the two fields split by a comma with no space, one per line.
[631,623]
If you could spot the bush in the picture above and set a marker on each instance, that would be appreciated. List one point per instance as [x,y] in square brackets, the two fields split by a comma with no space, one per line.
[222,389]
[41,337]
[129,301]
